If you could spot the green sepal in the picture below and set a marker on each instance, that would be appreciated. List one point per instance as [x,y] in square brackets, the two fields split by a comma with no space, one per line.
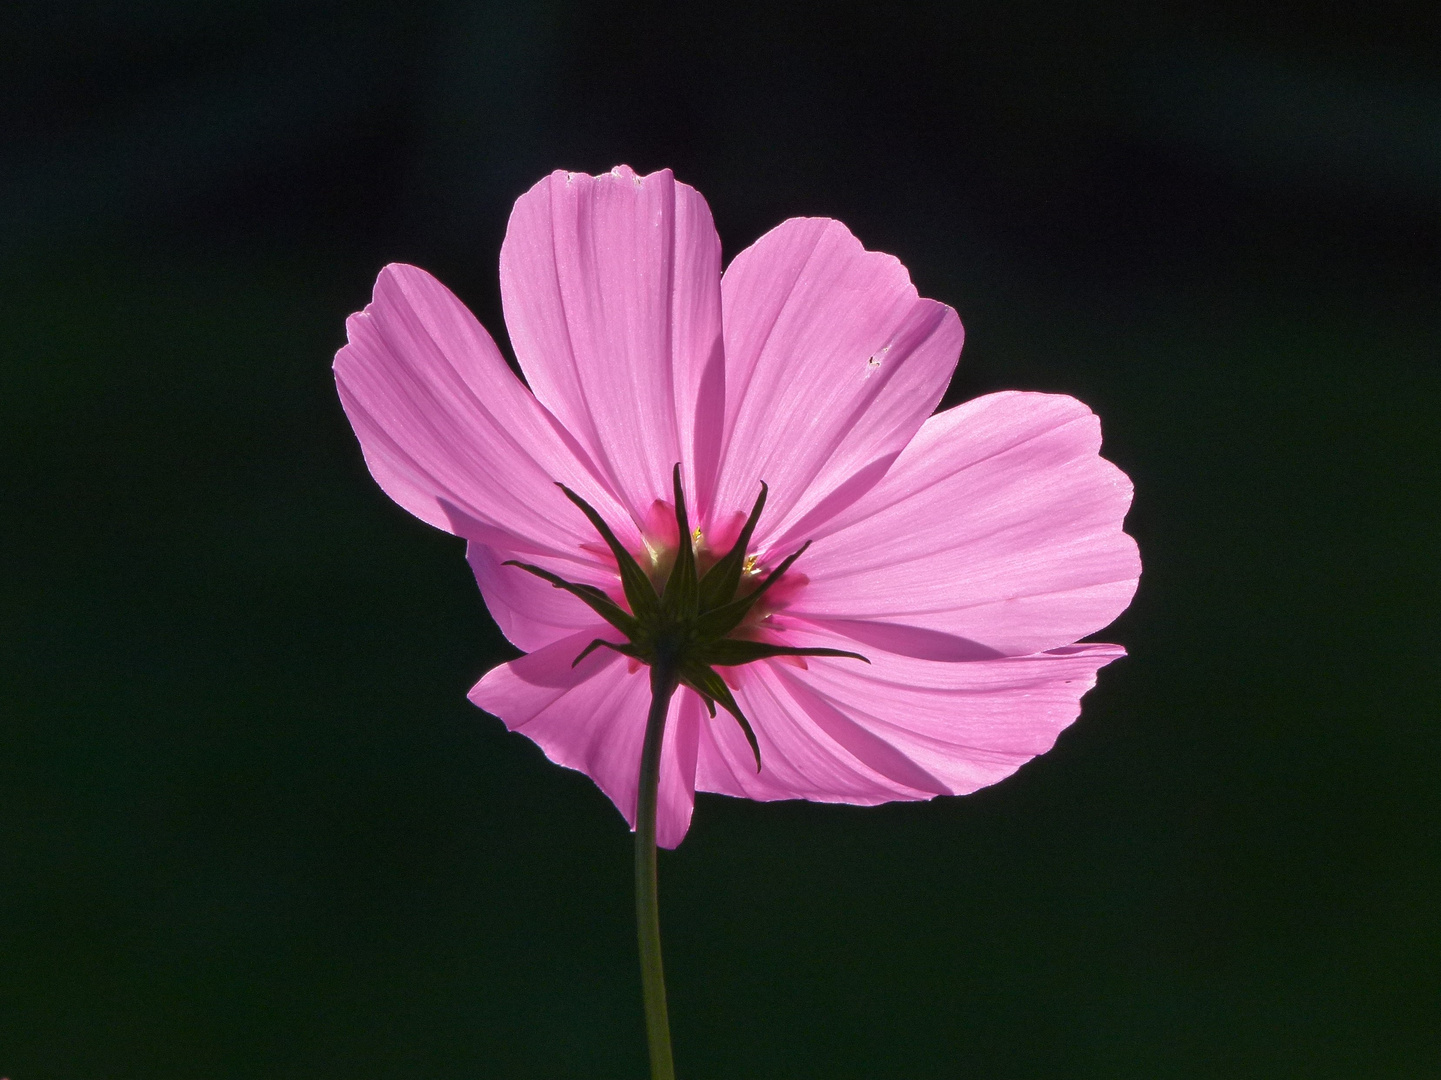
[723,579]
[597,600]
[639,592]
[730,652]
[682,591]
[704,680]
[624,650]
[687,622]
[722,620]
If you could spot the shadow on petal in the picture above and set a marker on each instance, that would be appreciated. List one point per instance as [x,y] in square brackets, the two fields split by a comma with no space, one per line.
[551,666]
[913,641]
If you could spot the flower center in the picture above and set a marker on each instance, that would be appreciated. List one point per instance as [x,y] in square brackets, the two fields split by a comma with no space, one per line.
[692,609]
[658,558]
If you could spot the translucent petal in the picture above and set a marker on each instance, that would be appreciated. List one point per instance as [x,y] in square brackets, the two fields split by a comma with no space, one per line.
[448,430]
[900,728]
[591,717]
[832,364]
[611,287]
[1000,526]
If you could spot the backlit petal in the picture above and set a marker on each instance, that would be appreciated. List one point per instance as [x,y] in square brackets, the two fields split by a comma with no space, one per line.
[591,717]
[832,364]
[533,613]
[998,528]
[611,286]
[448,430]
[919,728]
[800,759]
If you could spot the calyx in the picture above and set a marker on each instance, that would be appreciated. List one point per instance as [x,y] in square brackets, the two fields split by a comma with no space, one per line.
[687,625]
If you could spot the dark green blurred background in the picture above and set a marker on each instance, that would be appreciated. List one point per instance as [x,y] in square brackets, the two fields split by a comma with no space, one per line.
[251,827]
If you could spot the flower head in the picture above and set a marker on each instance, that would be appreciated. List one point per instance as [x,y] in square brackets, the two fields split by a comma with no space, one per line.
[696,622]
[743,471]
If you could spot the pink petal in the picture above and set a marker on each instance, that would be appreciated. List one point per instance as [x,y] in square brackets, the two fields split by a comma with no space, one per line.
[531,612]
[448,430]
[611,287]
[677,768]
[899,728]
[832,364]
[800,759]
[999,526]
[591,717]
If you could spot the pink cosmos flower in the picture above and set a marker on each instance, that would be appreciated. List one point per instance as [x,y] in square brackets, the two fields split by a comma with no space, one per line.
[961,554]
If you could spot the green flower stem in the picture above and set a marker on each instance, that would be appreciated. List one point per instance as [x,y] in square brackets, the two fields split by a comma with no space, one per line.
[664,678]
[683,633]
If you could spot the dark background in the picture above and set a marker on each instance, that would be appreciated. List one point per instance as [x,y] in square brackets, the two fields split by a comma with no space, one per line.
[250,826]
